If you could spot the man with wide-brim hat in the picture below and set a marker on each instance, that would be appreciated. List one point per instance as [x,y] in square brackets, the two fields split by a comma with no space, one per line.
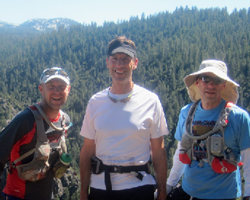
[218,69]
[213,137]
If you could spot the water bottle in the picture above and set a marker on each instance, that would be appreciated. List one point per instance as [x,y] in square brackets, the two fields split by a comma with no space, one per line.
[62,165]
[66,158]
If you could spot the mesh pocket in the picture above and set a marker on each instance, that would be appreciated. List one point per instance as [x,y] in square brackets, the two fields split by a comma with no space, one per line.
[33,171]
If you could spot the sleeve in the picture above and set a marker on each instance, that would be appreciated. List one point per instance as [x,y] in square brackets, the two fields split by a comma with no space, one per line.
[245,155]
[11,134]
[159,125]
[177,169]
[243,130]
[181,123]
[87,129]
[7,140]
[68,124]
[245,149]
[67,119]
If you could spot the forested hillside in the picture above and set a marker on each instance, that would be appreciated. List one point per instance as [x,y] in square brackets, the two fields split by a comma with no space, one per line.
[169,45]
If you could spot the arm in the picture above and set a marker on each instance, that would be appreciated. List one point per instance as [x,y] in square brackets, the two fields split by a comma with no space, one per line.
[87,151]
[17,130]
[159,158]
[177,169]
[245,155]
[7,140]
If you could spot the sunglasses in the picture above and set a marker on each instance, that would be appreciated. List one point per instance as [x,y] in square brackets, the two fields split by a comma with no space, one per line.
[121,100]
[54,71]
[207,79]
[58,71]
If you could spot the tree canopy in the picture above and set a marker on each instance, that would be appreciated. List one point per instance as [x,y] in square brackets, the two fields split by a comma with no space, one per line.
[169,46]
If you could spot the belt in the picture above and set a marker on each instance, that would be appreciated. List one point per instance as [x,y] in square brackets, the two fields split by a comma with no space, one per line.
[124,169]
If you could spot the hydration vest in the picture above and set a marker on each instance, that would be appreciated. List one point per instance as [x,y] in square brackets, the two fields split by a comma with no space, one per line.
[218,155]
[37,169]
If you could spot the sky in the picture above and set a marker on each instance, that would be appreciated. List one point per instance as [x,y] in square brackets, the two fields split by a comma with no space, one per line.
[98,11]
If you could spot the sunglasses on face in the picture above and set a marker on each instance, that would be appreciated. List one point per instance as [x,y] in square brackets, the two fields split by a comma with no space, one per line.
[207,79]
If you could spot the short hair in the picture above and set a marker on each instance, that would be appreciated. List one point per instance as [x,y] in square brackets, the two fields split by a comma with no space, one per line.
[118,41]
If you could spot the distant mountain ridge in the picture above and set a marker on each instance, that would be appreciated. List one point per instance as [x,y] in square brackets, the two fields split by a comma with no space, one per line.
[38,25]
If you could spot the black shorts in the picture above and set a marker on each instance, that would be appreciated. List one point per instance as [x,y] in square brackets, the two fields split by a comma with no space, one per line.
[139,193]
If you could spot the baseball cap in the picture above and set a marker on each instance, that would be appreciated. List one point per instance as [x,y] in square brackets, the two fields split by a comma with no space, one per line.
[55,72]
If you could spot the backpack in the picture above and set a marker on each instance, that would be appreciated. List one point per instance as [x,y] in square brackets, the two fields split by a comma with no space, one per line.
[219,156]
[37,169]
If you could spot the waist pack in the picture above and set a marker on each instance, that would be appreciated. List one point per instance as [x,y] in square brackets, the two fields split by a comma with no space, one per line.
[33,171]
[218,155]
[38,168]
[98,167]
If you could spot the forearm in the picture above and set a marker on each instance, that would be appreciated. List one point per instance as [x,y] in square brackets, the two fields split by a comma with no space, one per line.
[160,168]
[159,158]
[177,169]
[85,173]
[245,155]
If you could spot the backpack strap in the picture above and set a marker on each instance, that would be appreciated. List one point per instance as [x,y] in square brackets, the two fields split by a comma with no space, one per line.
[63,128]
[41,136]
[47,119]
[22,157]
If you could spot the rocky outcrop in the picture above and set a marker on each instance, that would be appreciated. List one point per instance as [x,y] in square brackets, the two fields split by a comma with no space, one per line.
[69,184]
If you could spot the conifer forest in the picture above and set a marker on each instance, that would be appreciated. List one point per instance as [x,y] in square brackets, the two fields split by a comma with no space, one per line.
[169,47]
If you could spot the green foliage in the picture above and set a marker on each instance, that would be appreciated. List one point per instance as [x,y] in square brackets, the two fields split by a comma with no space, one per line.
[170,46]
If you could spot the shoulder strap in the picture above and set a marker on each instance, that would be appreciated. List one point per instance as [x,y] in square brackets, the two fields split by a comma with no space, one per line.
[24,156]
[63,128]
[190,117]
[41,136]
[223,118]
[47,119]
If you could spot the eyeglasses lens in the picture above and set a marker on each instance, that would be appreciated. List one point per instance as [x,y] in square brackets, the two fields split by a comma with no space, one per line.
[208,79]
[56,71]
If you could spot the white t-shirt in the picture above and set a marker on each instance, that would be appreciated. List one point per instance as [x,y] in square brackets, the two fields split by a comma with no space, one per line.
[122,133]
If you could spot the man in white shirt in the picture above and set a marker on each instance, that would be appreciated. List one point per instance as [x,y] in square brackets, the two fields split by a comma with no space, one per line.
[123,126]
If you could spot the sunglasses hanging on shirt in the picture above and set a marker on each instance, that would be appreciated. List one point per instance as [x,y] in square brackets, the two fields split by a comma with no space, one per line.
[120,100]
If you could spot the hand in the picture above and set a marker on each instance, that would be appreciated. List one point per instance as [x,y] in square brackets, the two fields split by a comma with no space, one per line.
[169,189]
[84,196]
[155,194]
[160,195]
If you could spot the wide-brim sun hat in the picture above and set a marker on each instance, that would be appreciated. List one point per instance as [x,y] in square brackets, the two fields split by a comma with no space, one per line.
[219,69]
